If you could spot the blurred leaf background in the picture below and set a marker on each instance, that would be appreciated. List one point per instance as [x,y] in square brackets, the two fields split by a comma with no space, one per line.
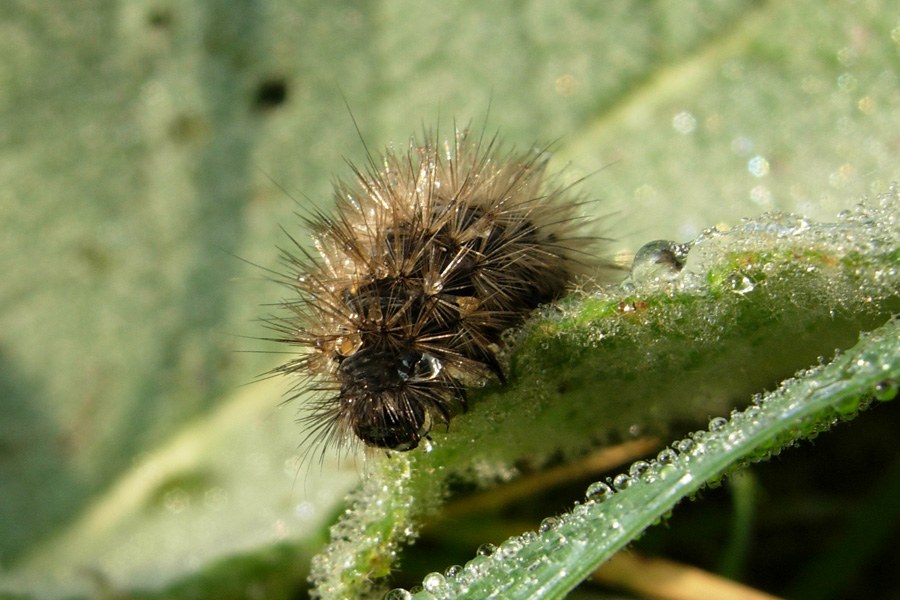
[145,144]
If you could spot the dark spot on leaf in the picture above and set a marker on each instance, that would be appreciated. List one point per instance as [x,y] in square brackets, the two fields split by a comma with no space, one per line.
[270,93]
[160,18]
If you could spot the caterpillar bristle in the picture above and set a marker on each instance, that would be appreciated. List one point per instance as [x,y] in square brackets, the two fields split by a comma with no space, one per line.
[428,257]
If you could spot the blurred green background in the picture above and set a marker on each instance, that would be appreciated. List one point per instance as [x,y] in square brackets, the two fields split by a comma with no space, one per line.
[146,144]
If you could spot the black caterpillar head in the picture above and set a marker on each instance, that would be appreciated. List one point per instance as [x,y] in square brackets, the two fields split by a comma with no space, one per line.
[383,394]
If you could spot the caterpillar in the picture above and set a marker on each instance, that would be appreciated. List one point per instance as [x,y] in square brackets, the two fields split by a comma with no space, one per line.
[428,257]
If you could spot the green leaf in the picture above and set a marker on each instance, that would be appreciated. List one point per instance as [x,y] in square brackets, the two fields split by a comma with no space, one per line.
[569,547]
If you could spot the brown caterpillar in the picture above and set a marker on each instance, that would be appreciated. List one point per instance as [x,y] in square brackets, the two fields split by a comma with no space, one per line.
[429,256]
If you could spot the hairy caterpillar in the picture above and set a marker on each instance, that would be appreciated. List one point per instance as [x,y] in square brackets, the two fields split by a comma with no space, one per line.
[428,257]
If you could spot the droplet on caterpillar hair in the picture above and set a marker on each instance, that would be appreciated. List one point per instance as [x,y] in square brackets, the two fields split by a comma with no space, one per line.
[428,257]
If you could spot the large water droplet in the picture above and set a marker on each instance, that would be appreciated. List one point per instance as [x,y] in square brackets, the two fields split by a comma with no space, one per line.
[660,259]
[667,471]
[510,548]
[718,424]
[549,524]
[639,469]
[452,571]
[426,368]
[667,456]
[433,582]
[398,594]
[622,482]
[684,446]
[486,549]
[598,492]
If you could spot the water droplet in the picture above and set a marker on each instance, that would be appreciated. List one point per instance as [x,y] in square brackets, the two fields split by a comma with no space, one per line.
[667,471]
[684,446]
[474,568]
[427,368]
[486,549]
[398,594]
[622,482]
[433,283]
[452,571]
[751,413]
[528,537]
[510,548]
[348,344]
[555,541]
[718,424]
[660,259]
[549,524]
[639,469]
[667,456]
[739,283]
[598,492]
[886,390]
[433,582]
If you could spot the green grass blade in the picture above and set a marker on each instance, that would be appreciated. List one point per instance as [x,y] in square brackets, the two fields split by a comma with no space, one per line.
[549,564]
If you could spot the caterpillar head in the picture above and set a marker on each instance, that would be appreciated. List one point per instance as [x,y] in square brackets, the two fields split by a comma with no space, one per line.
[382,393]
